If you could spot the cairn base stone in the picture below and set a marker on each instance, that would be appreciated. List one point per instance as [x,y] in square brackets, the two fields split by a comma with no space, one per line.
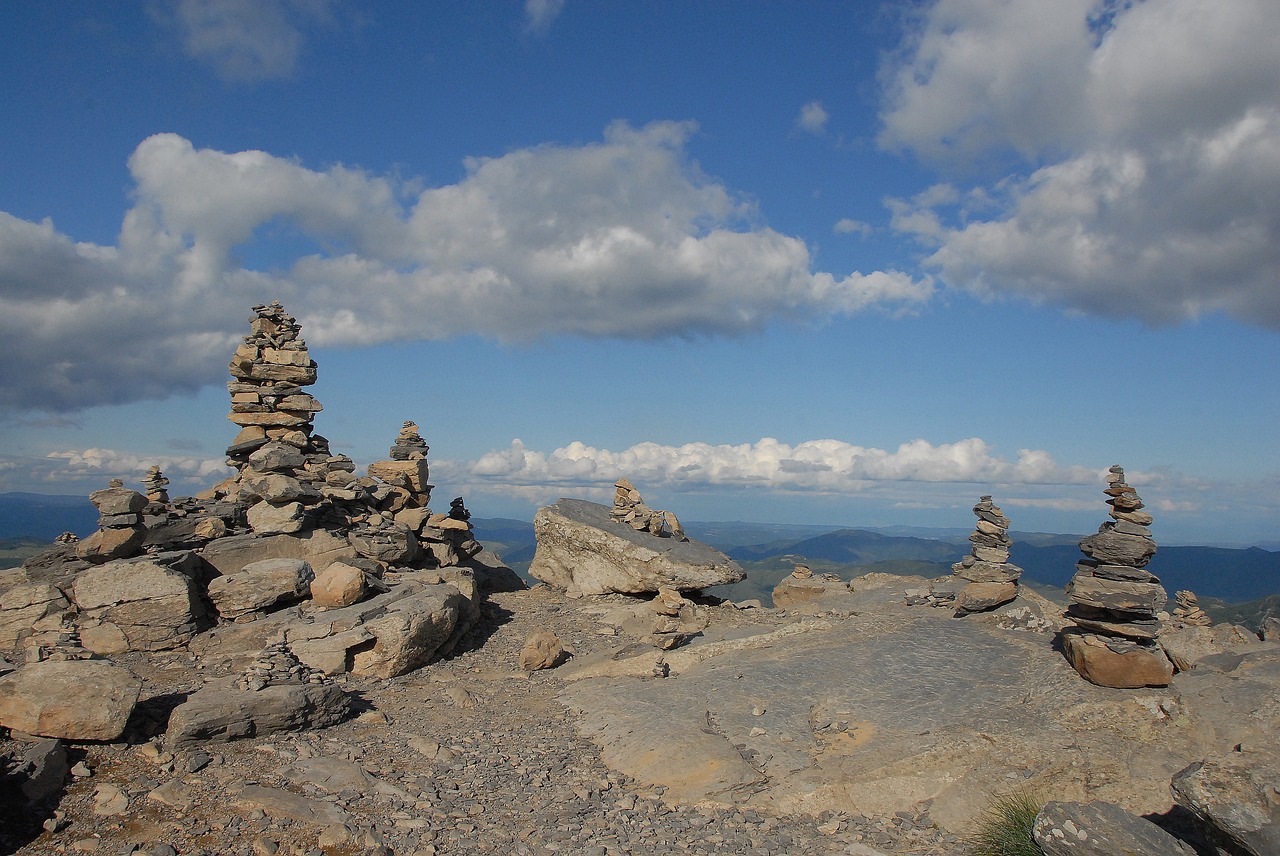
[1097,663]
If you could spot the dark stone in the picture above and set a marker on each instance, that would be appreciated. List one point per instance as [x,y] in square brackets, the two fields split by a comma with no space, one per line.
[1101,829]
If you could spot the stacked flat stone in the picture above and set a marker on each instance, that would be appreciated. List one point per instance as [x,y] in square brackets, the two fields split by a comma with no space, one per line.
[1188,611]
[630,508]
[448,537]
[67,538]
[409,444]
[276,665]
[286,474]
[1116,602]
[990,578]
[120,531]
[156,486]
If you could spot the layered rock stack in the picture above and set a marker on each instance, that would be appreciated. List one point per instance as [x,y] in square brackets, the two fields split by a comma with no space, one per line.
[286,473]
[1116,602]
[630,508]
[276,665]
[156,486]
[990,578]
[1188,612]
[120,531]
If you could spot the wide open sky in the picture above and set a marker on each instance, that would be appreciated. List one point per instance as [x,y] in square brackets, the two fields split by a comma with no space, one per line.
[835,262]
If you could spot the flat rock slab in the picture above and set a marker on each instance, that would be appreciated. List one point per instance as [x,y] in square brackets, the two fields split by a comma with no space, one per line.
[71,699]
[219,713]
[1237,792]
[582,551]
[887,710]
[286,804]
[1101,829]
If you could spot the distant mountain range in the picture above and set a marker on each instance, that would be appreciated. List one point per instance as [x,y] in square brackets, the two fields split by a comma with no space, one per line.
[768,551]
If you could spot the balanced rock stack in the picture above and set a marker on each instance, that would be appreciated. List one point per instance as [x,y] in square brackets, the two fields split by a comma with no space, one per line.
[630,508]
[409,444]
[283,468]
[991,579]
[156,486]
[448,537]
[1116,603]
[120,531]
[276,665]
[1188,612]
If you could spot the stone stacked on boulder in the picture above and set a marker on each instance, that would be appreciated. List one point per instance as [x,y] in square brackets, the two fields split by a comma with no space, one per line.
[120,531]
[277,665]
[1116,602]
[989,578]
[630,508]
[1188,612]
[409,444]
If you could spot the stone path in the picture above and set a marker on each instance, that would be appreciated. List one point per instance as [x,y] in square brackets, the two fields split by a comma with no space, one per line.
[465,756]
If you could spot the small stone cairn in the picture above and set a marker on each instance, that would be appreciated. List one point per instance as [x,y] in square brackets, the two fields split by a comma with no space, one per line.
[156,486]
[277,665]
[991,579]
[120,528]
[1116,603]
[1188,612]
[630,508]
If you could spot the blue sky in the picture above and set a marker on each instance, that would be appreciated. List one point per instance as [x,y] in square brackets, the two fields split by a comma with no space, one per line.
[848,263]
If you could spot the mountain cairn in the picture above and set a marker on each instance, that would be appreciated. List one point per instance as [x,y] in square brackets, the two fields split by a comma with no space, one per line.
[991,580]
[803,586]
[120,530]
[1116,603]
[1188,612]
[586,548]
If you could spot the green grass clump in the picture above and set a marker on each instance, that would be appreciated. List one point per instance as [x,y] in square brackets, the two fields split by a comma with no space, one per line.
[1004,828]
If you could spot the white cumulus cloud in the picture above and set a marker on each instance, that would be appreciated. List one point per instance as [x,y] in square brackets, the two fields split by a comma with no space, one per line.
[620,238]
[1144,140]
[540,14]
[813,118]
[247,40]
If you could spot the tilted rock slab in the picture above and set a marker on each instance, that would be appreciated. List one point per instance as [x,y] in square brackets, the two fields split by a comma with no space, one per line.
[1236,793]
[71,699]
[222,713]
[584,552]
[1101,829]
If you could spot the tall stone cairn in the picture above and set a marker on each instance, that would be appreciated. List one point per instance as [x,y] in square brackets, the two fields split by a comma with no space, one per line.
[991,579]
[285,473]
[1116,603]
[120,531]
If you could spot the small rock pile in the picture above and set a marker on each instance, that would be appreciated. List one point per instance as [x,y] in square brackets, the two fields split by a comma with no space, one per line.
[156,486]
[630,508]
[991,580]
[1116,603]
[120,531]
[409,444]
[1188,612]
[277,665]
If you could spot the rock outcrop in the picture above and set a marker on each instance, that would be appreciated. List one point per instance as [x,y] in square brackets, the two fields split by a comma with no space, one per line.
[1236,793]
[583,550]
[1116,603]
[1101,829]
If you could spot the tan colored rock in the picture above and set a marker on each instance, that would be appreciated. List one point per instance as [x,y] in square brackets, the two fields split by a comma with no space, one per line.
[155,606]
[106,545]
[70,699]
[1138,666]
[542,650]
[103,638]
[24,605]
[338,585]
[267,519]
[260,586]
[411,632]
[978,597]
[415,475]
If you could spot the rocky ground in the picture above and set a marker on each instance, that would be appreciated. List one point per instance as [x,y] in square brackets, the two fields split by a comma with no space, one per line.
[468,755]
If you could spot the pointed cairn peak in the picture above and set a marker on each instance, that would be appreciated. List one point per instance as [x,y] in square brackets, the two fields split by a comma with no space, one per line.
[155,486]
[1116,602]
[409,445]
[986,577]
[1188,612]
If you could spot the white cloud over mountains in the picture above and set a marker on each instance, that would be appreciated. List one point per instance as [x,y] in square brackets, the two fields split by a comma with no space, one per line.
[1147,139]
[621,238]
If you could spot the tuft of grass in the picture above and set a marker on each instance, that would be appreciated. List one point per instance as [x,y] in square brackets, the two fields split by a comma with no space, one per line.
[1004,828]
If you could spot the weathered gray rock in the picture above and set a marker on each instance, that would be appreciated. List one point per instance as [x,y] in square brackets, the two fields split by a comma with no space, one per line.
[317,547]
[155,606]
[118,500]
[43,769]
[1237,793]
[1101,829]
[1113,547]
[794,590]
[260,586]
[391,543]
[582,551]
[266,518]
[412,631]
[279,803]
[24,605]
[70,699]
[222,713]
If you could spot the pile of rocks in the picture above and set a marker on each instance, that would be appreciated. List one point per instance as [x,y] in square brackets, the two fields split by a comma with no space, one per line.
[277,665]
[630,508]
[409,445]
[990,579]
[156,486]
[1116,603]
[120,531]
[1188,612]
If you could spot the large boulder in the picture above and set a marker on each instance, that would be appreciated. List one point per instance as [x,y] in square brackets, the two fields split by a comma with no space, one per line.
[70,699]
[222,713]
[411,632]
[24,605]
[1236,794]
[1117,663]
[582,551]
[261,586]
[155,606]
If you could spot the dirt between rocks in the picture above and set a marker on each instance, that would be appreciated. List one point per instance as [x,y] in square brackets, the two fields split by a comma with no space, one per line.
[467,755]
